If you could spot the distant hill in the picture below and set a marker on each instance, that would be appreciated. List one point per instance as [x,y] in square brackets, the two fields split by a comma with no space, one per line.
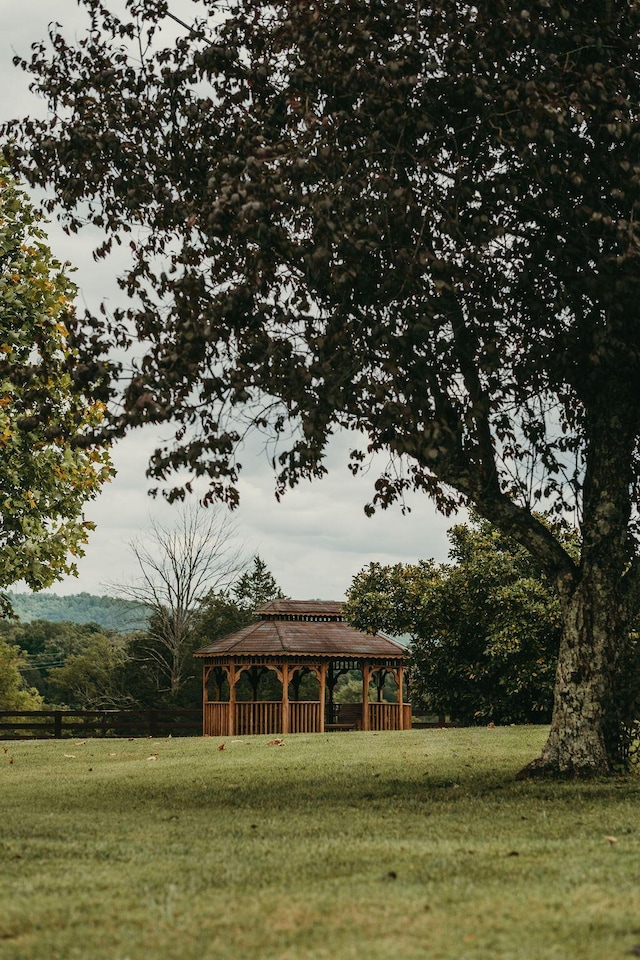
[121,615]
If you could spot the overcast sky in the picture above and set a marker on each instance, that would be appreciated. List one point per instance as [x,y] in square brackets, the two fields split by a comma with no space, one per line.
[318,537]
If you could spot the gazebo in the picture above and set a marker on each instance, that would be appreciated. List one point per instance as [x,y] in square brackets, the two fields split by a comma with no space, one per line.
[278,675]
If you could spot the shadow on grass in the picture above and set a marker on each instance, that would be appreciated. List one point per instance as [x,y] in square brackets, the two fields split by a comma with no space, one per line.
[309,779]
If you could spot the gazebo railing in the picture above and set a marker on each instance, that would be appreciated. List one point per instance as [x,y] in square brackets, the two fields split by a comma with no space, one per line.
[258,716]
[304,716]
[265,717]
[384,716]
[261,717]
[216,719]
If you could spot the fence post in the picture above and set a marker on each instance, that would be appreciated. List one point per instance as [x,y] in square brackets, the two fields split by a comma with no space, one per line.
[57,724]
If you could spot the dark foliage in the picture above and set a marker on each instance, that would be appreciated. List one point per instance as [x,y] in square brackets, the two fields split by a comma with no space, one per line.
[485,628]
[70,664]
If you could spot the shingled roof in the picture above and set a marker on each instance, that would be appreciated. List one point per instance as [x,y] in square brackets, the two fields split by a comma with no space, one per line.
[303,628]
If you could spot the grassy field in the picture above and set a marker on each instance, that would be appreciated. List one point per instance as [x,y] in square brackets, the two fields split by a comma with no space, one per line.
[402,845]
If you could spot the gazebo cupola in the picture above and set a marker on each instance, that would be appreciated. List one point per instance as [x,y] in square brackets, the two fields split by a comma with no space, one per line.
[291,640]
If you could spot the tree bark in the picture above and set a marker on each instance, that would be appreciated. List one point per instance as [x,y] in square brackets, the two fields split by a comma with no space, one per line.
[590,708]
[584,734]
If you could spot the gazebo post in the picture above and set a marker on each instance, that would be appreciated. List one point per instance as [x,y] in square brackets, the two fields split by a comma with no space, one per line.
[285,698]
[323,693]
[232,699]
[400,698]
[366,677]
[205,677]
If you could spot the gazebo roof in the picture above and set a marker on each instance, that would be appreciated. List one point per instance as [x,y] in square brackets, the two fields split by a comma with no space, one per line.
[304,628]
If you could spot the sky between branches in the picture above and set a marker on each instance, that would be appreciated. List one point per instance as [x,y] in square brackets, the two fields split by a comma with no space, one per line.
[318,537]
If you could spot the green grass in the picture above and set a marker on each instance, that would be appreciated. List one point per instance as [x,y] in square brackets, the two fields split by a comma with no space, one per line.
[401,845]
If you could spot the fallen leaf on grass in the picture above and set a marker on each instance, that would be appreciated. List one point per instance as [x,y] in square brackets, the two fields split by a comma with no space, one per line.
[221,747]
[154,756]
[611,840]
[278,742]
[80,743]
[70,756]
[10,760]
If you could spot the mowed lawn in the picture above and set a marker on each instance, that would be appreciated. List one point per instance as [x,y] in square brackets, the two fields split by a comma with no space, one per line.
[351,845]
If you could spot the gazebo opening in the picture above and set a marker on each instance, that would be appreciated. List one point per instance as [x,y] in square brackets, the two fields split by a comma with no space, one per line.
[300,668]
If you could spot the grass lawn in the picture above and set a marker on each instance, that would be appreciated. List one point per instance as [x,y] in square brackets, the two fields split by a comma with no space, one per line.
[352,845]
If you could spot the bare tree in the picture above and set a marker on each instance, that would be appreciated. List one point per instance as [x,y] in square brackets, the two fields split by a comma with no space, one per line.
[179,567]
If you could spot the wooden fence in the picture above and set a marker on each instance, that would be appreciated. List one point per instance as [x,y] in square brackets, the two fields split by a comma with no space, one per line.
[41,724]
[304,716]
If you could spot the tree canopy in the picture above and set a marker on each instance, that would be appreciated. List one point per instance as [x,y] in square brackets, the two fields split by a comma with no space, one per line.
[416,221]
[255,587]
[49,467]
[485,627]
[70,664]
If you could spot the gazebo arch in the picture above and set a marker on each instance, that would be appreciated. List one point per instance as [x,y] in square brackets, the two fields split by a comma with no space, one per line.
[300,635]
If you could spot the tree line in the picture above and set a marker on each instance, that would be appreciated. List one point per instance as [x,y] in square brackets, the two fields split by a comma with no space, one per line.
[75,665]
[115,613]
[484,632]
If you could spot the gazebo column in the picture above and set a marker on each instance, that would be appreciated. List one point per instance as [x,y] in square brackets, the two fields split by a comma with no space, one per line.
[400,698]
[285,698]
[205,697]
[232,699]
[366,678]
[323,693]
[206,672]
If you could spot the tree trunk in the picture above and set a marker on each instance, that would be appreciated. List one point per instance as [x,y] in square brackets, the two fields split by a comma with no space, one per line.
[584,739]
[599,599]
[590,701]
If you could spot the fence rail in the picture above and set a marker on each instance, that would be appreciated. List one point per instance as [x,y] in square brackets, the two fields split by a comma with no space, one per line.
[41,724]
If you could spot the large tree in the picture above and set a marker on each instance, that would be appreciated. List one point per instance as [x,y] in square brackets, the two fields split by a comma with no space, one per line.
[415,220]
[49,408]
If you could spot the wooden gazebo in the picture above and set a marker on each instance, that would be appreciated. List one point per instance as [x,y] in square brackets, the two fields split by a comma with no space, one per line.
[292,640]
